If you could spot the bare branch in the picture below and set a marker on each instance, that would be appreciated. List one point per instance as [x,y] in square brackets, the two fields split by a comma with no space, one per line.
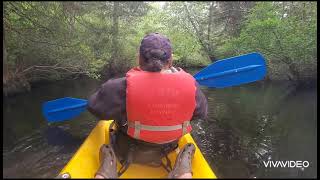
[21,14]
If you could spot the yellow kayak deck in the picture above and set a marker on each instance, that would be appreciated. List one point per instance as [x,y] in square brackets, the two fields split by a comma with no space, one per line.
[85,161]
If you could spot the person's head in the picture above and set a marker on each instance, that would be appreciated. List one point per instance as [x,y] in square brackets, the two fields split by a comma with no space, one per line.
[155,52]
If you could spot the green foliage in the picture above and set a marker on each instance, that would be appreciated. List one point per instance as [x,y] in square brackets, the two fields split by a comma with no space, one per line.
[186,48]
[285,33]
[37,35]
[53,40]
[76,37]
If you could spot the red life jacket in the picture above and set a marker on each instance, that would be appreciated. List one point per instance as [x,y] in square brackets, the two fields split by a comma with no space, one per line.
[159,105]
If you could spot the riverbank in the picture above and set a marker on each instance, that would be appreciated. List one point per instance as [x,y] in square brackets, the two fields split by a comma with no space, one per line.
[16,86]
[20,85]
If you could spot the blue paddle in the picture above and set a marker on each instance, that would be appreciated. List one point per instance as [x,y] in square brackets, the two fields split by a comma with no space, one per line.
[233,71]
[223,73]
[63,108]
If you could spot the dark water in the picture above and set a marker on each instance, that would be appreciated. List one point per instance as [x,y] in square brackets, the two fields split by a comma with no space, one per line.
[247,125]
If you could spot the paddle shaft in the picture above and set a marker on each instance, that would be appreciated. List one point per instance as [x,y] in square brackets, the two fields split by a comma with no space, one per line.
[228,72]
[69,107]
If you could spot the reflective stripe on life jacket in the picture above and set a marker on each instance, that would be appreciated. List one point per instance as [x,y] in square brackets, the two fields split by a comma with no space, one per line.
[159,105]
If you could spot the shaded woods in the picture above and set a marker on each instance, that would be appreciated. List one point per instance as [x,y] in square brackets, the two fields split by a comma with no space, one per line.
[45,41]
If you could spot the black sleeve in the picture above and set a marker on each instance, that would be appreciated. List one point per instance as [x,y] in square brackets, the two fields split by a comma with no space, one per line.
[201,110]
[109,101]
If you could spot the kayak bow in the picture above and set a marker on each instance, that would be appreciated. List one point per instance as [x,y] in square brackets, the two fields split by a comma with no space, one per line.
[85,161]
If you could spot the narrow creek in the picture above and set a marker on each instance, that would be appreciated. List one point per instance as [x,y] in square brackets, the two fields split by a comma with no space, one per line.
[247,126]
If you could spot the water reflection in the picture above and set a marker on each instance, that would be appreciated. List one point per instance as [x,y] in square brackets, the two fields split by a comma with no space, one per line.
[57,136]
[34,148]
[247,125]
[251,124]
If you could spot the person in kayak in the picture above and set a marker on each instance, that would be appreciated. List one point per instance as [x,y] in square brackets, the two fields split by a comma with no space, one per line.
[152,108]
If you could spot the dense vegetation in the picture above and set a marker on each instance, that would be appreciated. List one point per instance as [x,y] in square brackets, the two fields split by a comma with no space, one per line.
[57,40]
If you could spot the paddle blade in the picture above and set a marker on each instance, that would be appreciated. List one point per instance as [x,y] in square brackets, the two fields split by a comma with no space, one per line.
[233,71]
[63,109]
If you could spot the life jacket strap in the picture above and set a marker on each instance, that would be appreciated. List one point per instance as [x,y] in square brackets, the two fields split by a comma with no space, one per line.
[184,127]
[137,126]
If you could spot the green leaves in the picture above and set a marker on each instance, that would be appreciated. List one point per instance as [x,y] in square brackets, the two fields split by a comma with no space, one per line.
[81,36]
[283,33]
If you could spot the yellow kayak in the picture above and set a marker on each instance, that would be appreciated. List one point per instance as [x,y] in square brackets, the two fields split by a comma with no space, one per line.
[85,162]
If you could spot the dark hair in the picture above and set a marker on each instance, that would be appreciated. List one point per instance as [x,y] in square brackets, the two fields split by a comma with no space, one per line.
[155,52]
[155,60]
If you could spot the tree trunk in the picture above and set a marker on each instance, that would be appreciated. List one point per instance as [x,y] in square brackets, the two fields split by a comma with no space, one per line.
[210,48]
[235,19]
[5,64]
[210,20]
[294,71]
[115,34]
[207,47]
[4,59]
[111,68]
